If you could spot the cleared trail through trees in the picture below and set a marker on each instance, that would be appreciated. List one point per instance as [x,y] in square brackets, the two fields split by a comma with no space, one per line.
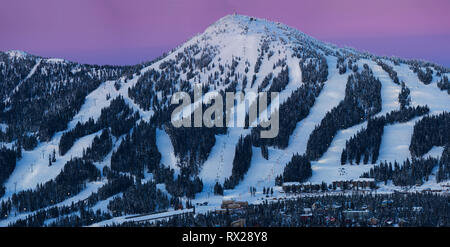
[21,82]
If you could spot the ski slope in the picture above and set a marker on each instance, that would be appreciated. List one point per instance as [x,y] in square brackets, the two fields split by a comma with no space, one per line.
[438,101]
[165,147]
[33,168]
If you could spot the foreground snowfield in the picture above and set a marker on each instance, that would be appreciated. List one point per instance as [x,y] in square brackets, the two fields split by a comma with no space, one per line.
[33,168]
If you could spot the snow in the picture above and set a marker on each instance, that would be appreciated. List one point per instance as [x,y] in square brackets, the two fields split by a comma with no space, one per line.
[389,90]
[103,205]
[94,103]
[107,160]
[32,71]
[430,183]
[328,168]
[395,141]
[421,94]
[331,95]
[55,60]
[165,147]
[219,164]
[84,194]
[231,37]
[435,152]
[33,168]
[397,137]
[17,54]
[262,172]
[96,100]
[145,115]
[240,24]
[144,217]
[3,127]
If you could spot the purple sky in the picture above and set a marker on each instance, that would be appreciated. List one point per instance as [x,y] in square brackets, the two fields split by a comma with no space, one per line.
[128,32]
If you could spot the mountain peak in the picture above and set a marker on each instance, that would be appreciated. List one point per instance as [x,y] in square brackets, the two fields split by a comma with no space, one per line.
[17,53]
[250,22]
[235,24]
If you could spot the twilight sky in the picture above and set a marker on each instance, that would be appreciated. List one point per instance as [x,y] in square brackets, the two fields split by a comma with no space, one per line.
[132,31]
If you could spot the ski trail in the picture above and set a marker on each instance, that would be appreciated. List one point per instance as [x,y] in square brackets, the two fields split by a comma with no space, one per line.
[165,147]
[219,164]
[32,71]
[330,96]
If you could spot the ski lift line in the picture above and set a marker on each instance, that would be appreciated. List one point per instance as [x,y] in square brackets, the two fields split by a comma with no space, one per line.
[220,168]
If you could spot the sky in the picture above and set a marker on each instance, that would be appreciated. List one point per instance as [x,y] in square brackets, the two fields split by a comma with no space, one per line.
[128,32]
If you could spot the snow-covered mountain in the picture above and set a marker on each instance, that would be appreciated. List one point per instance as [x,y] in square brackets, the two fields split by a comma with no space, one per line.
[86,129]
